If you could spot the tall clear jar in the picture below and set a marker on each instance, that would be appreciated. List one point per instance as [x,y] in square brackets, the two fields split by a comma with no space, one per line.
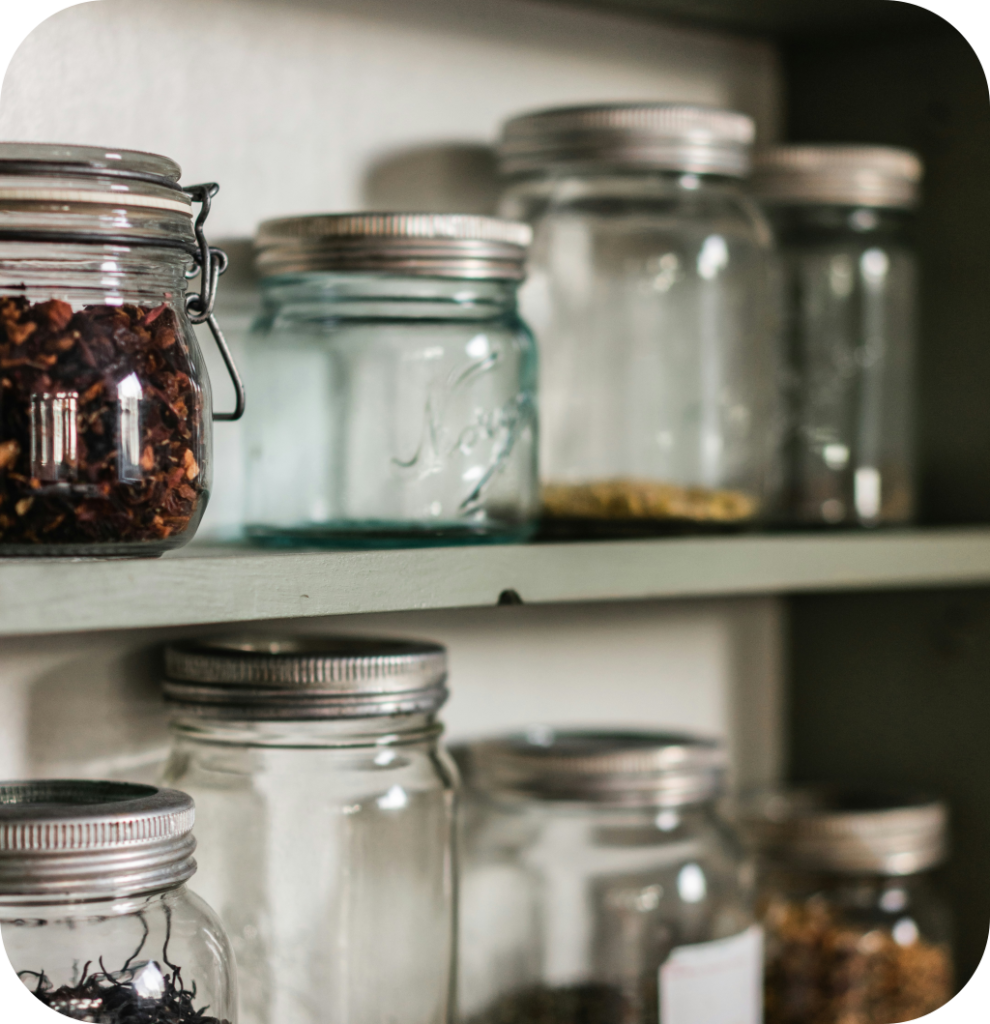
[95,915]
[394,383]
[600,885]
[648,290]
[856,930]
[325,806]
[843,217]
[105,409]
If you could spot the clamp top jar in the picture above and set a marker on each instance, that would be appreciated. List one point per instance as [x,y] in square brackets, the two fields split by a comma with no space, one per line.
[94,913]
[395,383]
[600,885]
[648,293]
[104,399]
[855,929]
[843,216]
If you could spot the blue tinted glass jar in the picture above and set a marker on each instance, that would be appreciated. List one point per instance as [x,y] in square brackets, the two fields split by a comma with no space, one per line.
[843,218]
[395,383]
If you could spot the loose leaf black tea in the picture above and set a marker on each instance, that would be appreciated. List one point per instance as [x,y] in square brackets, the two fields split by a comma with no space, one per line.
[105,998]
[141,992]
[101,420]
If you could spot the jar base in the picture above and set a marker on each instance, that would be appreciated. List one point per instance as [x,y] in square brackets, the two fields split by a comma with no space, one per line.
[564,528]
[372,534]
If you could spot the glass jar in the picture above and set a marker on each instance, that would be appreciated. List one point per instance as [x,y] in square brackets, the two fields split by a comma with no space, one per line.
[104,402]
[843,219]
[855,930]
[600,886]
[325,805]
[647,289]
[94,912]
[395,383]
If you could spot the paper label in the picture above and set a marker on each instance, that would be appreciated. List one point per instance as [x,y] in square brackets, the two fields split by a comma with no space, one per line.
[717,982]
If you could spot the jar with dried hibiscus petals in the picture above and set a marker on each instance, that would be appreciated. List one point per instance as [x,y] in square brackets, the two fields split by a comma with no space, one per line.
[105,409]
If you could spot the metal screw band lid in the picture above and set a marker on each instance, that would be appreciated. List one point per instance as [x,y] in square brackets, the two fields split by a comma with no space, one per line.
[838,175]
[79,838]
[305,677]
[849,833]
[662,136]
[626,769]
[459,246]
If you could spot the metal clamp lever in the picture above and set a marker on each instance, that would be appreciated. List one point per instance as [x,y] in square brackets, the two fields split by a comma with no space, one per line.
[210,263]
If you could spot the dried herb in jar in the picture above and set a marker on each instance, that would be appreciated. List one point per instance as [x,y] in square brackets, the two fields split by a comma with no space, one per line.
[100,425]
[822,969]
[646,499]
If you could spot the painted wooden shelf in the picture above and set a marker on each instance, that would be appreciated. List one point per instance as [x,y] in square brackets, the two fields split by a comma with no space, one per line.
[231,584]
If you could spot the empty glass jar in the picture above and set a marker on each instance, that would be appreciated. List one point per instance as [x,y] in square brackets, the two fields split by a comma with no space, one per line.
[855,930]
[94,912]
[647,289]
[325,807]
[600,886]
[394,383]
[105,439]
[843,216]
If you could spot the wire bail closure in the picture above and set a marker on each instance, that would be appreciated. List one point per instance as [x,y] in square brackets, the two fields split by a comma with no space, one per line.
[210,263]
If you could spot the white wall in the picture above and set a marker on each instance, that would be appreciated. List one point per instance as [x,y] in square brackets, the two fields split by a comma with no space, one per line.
[290,105]
[310,105]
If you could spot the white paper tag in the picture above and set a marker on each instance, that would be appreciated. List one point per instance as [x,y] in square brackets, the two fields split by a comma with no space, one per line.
[717,982]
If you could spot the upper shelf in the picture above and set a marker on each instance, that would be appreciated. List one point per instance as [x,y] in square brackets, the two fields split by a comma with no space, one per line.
[218,585]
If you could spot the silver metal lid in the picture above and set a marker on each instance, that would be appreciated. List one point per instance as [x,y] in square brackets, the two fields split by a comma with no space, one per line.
[50,173]
[77,838]
[838,175]
[847,832]
[452,245]
[626,769]
[663,136]
[305,677]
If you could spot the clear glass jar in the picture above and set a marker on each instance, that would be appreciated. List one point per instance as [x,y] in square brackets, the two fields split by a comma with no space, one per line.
[105,404]
[843,217]
[600,886]
[94,913]
[855,929]
[394,382]
[325,808]
[648,291]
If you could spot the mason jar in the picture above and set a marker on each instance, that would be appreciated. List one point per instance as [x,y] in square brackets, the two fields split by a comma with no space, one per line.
[394,383]
[855,928]
[648,290]
[325,809]
[104,401]
[600,885]
[95,915]
[843,216]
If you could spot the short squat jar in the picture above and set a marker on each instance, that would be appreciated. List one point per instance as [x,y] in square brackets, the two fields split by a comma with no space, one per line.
[647,289]
[105,432]
[394,383]
[95,915]
[855,929]
[600,886]
[325,807]
[843,216]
